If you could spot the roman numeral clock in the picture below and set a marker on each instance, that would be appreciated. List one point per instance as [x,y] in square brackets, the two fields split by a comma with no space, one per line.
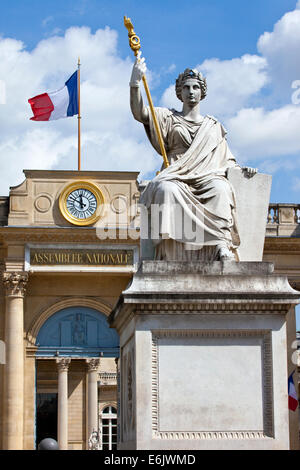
[81,203]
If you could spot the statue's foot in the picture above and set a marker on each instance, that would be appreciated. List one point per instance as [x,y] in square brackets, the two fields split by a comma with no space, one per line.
[224,253]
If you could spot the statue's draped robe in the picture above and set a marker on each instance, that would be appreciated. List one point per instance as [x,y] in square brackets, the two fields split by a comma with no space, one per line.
[195,199]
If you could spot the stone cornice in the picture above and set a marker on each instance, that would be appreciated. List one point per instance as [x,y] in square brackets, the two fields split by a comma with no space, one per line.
[75,174]
[59,235]
[282,244]
[15,283]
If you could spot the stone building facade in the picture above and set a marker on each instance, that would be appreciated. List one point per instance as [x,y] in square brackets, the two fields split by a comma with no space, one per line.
[61,278]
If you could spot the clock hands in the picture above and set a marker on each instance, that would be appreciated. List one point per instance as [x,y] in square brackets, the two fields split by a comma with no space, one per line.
[82,204]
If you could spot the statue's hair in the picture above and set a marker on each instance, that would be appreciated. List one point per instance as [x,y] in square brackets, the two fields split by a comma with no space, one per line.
[190,73]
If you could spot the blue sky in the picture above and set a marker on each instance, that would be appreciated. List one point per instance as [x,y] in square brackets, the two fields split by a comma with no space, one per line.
[249,51]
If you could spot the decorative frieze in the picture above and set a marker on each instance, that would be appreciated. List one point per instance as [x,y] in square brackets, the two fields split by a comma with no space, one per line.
[214,308]
[210,435]
[108,378]
[15,283]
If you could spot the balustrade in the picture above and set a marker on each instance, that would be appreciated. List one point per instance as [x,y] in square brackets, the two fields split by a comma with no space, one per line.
[283,219]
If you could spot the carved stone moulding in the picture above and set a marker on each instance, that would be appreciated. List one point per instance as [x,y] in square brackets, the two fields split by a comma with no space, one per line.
[15,283]
[213,308]
[63,235]
[63,363]
[281,245]
[210,435]
[93,364]
[263,336]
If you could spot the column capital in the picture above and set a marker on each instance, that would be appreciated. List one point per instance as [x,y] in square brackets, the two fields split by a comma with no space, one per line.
[15,283]
[93,364]
[63,363]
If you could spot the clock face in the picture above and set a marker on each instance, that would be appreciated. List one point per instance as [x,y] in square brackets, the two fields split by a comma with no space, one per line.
[81,203]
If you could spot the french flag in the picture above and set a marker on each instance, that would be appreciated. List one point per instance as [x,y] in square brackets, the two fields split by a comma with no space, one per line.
[293,399]
[57,104]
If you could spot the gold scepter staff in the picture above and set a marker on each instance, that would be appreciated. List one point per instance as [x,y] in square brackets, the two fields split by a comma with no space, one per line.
[135,45]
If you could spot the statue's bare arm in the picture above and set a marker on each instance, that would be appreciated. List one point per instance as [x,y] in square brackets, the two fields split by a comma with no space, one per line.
[139,111]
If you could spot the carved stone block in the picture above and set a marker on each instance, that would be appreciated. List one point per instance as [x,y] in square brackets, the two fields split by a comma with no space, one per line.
[252,204]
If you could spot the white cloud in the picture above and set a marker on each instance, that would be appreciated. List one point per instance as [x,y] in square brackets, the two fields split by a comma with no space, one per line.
[281,50]
[257,133]
[230,84]
[111,139]
[169,98]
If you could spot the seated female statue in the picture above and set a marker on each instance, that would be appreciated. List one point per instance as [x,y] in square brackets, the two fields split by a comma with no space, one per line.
[192,199]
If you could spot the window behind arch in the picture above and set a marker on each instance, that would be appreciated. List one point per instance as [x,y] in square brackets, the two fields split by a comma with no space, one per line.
[109,428]
[77,331]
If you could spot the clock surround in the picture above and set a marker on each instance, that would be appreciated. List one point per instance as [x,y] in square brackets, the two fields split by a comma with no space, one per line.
[81,203]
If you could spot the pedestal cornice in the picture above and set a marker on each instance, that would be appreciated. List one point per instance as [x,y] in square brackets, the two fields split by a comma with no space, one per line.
[217,288]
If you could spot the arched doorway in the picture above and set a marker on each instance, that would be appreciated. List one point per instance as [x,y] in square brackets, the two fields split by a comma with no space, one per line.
[80,337]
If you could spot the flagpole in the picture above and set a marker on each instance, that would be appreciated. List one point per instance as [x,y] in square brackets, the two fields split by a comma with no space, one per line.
[79,117]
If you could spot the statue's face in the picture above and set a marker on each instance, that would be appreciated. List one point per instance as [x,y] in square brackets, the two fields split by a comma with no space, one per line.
[191,91]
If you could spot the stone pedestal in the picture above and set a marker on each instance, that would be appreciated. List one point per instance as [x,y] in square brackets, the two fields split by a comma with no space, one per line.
[204,357]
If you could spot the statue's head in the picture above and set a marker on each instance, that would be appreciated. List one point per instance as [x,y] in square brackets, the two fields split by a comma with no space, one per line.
[187,75]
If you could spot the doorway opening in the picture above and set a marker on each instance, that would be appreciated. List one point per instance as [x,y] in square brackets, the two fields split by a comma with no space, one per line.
[46,416]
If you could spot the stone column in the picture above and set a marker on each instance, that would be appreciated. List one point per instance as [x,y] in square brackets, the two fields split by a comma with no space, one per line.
[62,411]
[93,367]
[15,284]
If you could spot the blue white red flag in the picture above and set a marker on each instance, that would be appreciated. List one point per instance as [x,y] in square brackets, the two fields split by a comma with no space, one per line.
[56,104]
[293,399]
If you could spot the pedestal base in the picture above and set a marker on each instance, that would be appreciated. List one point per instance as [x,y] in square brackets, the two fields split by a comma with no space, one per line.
[203,357]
